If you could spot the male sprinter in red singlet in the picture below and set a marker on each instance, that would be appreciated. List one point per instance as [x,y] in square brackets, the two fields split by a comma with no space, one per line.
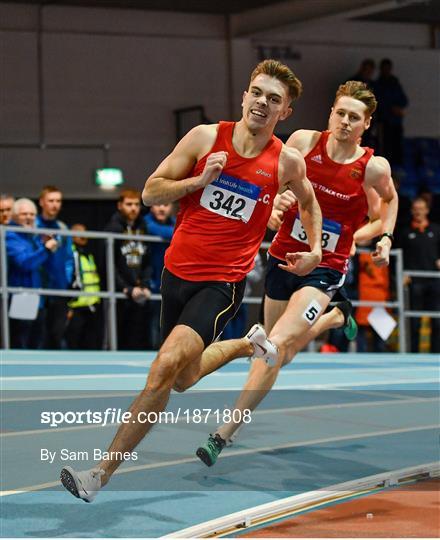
[226,177]
[347,179]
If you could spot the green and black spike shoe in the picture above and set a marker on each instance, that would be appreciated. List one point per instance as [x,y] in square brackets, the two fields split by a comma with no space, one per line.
[210,451]
[350,326]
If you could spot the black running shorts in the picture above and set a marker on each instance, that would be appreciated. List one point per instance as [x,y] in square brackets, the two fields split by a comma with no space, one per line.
[280,284]
[204,306]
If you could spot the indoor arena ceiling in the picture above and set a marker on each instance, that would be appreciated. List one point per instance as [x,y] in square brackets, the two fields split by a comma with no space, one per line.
[259,12]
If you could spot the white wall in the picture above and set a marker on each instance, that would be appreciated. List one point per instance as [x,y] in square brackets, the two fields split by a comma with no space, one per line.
[115,76]
[103,86]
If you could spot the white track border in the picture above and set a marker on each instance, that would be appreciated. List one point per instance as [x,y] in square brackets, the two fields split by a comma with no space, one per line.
[250,517]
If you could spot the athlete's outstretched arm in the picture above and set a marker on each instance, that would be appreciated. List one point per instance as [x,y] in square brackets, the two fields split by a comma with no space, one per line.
[292,172]
[170,180]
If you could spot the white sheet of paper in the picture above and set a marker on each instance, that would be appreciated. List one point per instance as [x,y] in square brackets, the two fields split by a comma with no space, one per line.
[382,322]
[24,306]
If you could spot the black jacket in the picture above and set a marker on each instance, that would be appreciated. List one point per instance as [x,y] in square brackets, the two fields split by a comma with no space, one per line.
[132,257]
[421,250]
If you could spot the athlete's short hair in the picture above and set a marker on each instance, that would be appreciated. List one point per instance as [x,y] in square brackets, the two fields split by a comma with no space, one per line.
[360,91]
[49,189]
[274,68]
[129,193]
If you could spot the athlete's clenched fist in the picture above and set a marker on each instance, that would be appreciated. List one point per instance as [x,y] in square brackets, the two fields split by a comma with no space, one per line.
[213,167]
[285,201]
[381,255]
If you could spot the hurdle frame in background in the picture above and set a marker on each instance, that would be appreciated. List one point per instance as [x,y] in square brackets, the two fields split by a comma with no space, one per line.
[111,295]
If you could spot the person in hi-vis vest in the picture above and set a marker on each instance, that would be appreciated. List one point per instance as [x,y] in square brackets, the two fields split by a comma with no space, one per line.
[84,330]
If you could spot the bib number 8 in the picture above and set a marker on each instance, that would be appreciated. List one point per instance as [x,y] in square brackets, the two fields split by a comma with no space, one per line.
[329,238]
[228,204]
[324,239]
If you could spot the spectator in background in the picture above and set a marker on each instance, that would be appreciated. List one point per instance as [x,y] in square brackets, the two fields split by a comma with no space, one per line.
[365,72]
[84,329]
[159,221]
[420,242]
[26,253]
[374,286]
[58,268]
[6,203]
[427,196]
[132,273]
[392,102]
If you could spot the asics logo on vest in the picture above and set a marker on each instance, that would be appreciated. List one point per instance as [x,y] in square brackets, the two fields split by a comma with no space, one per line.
[264,173]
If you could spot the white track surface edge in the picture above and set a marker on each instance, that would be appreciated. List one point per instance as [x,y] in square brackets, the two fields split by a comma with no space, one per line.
[250,517]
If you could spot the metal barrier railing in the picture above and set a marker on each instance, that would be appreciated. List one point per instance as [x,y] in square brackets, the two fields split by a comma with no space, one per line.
[422,274]
[111,295]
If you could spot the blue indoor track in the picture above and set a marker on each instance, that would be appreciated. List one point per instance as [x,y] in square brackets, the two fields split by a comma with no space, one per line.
[330,419]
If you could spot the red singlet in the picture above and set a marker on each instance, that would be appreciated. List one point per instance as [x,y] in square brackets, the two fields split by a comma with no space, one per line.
[220,228]
[338,188]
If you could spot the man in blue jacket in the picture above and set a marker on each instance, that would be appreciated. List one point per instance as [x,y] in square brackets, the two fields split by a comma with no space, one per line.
[26,255]
[58,269]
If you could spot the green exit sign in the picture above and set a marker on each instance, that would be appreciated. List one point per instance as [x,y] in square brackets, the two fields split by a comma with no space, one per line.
[109,177]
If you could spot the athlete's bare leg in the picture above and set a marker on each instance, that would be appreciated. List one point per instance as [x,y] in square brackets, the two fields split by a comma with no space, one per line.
[220,353]
[214,357]
[290,333]
[181,347]
[332,319]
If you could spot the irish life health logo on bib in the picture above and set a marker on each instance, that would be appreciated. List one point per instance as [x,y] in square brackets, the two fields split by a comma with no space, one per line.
[231,197]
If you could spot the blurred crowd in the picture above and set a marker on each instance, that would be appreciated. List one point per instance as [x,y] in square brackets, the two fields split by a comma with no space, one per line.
[58,262]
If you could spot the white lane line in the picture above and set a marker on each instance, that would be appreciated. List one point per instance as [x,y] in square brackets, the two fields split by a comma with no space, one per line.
[392,394]
[259,412]
[232,388]
[60,397]
[73,377]
[234,453]
[133,393]
[295,372]
[301,358]
[343,371]
[58,362]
